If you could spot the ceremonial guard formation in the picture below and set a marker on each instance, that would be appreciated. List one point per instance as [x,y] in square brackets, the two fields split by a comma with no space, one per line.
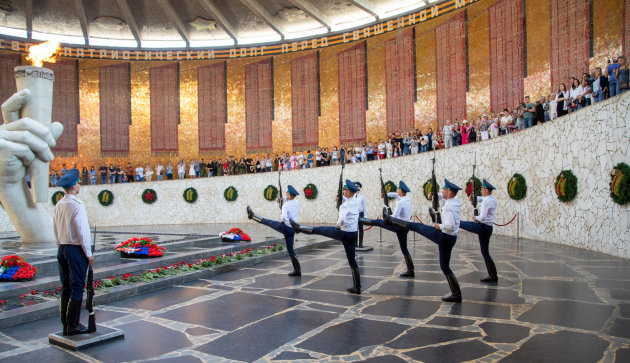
[290,212]
[72,233]
[403,212]
[345,230]
[482,226]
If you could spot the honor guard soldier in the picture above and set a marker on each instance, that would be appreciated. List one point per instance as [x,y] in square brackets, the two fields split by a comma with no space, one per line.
[74,254]
[444,234]
[402,211]
[290,212]
[482,226]
[360,196]
[345,231]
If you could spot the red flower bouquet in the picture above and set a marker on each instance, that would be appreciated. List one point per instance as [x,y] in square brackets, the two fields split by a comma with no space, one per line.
[234,234]
[14,268]
[139,247]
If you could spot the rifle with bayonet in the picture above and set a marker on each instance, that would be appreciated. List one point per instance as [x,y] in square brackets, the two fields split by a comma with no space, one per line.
[384,193]
[435,199]
[340,190]
[281,196]
[89,301]
[474,189]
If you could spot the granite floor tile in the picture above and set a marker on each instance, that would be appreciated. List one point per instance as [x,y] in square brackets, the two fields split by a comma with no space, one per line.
[423,336]
[47,354]
[155,300]
[569,290]
[622,355]
[404,308]
[611,272]
[6,347]
[293,356]
[620,294]
[504,333]
[329,297]
[572,314]
[412,288]
[467,308]
[620,328]
[563,346]
[279,281]
[384,359]
[237,274]
[624,310]
[491,294]
[450,322]
[455,352]
[368,271]
[180,359]
[546,269]
[340,283]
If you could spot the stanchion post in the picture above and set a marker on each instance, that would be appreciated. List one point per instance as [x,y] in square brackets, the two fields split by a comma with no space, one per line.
[518,226]
[414,233]
[380,235]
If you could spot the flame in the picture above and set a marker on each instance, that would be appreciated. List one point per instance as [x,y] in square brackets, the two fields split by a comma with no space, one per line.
[44,52]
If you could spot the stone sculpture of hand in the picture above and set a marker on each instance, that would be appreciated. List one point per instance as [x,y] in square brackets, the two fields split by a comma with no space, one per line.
[21,141]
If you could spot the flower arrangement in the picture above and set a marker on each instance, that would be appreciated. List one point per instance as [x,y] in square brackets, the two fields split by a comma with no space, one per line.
[15,268]
[105,197]
[477,187]
[230,194]
[56,197]
[190,195]
[620,184]
[517,187]
[270,193]
[149,196]
[234,234]
[427,188]
[566,186]
[139,247]
[390,187]
[310,191]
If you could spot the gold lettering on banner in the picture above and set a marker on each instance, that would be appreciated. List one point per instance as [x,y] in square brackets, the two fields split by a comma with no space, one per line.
[179,55]
[211,54]
[91,53]
[169,55]
[189,55]
[80,52]
[434,11]
[366,32]
[232,53]
[284,49]
[262,50]
[1,45]
[378,29]
[344,38]
[114,54]
[355,35]
[102,53]
[147,55]
[15,45]
[324,42]
[67,52]
[423,15]
[390,26]
[125,54]
[460,3]
[304,44]
[243,52]
[401,22]
[294,47]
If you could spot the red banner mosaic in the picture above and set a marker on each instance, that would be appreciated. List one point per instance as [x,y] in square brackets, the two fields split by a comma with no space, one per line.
[66,101]
[164,83]
[115,107]
[211,85]
[569,40]
[352,100]
[399,83]
[304,101]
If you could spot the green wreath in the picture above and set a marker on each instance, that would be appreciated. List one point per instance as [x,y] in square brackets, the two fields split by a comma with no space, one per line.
[390,187]
[310,191]
[477,187]
[566,186]
[427,188]
[270,193]
[149,196]
[517,187]
[56,197]
[620,184]
[190,195]
[105,197]
[230,194]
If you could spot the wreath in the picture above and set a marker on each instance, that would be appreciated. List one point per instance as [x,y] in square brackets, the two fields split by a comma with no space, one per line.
[15,268]
[477,187]
[310,191]
[56,197]
[139,247]
[105,197]
[149,196]
[190,195]
[427,188]
[390,187]
[230,194]
[566,186]
[234,234]
[271,193]
[620,184]
[517,187]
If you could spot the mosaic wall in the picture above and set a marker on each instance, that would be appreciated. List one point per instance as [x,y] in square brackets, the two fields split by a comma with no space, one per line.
[607,33]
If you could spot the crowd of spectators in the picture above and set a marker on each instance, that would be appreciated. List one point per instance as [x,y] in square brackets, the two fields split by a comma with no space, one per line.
[588,89]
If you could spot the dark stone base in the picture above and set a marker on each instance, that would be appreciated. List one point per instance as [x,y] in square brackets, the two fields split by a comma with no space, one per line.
[102,335]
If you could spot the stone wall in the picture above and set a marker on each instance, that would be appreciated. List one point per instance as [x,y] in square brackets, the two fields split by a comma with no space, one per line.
[588,142]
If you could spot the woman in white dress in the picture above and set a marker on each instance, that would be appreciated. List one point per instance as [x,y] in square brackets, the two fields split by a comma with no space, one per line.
[148,172]
[191,169]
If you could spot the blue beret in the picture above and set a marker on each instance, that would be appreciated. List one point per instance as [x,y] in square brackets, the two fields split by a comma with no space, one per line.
[358,184]
[291,190]
[351,187]
[69,179]
[487,185]
[402,186]
[451,186]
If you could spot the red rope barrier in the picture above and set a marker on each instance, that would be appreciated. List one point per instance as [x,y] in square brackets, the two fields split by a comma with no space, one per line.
[502,225]
[367,229]
[419,220]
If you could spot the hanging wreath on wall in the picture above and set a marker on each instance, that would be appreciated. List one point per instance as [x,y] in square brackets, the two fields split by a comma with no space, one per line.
[390,187]
[620,184]
[105,197]
[310,191]
[56,197]
[190,195]
[149,196]
[477,187]
[271,193]
[517,187]
[427,188]
[230,194]
[566,186]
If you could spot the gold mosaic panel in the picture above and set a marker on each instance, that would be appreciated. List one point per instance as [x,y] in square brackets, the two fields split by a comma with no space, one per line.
[538,81]
[607,31]
[478,96]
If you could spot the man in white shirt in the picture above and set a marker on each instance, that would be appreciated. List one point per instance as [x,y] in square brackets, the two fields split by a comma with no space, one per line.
[159,170]
[74,253]
[401,211]
[345,231]
[290,211]
[482,226]
[447,131]
[443,234]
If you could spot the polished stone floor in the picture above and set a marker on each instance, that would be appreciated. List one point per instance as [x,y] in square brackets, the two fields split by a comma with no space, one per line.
[552,304]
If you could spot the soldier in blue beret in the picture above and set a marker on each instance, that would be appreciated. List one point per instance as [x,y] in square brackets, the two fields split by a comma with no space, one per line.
[481,225]
[444,234]
[74,254]
[345,231]
[290,212]
[402,211]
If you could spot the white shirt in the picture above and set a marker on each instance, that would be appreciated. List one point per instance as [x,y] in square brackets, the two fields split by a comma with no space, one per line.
[447,130]
[159,169]
[71,224]
[505,120]
[487,210]
[403,206]
[450,215]
[269,163]
[140,171]
[349,215]
[575,93]
[290,211]
[381,149]
[361,198]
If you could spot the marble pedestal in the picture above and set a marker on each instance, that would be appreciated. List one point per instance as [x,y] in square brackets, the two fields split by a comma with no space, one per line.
[102,335]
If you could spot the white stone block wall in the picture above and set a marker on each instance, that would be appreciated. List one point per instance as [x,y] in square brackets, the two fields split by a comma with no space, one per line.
[589,142]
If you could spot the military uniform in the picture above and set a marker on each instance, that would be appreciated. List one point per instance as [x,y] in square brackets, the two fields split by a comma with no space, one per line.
[361,198]
[483,228]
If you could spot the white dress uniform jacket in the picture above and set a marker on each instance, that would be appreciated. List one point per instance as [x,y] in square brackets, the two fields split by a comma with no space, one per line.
[349,215]
[403,206]
[488,210]
[450,215]
[71,224]
[290,211]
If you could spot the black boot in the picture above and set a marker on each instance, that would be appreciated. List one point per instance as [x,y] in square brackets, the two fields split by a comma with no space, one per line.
[492,273]
[432,214]
[63,311]
[456,294]
[297,270]
[399,222]
[298,228]
[360,239]
[251,215]
[409,272]
[366,221]
[356,279]
[386,216]
[73,317]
